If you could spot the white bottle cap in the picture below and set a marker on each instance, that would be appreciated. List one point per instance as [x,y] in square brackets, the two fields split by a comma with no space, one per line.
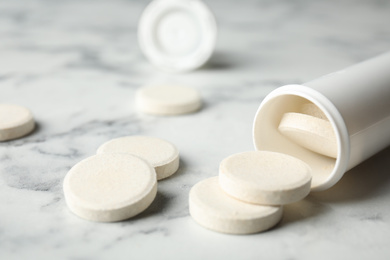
[177,35]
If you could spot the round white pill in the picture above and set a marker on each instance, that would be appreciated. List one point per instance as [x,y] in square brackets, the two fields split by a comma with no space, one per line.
[168,100]
[15,121]
[161,154]
[263,177]
[110,187]
[214,209]
[311,132]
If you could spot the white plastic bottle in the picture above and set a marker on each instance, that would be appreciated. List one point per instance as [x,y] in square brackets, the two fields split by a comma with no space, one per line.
[356,101]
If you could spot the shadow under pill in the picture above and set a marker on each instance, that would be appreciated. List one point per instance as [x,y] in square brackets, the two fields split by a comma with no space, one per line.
[180,171]
[218,61]
[302,210]
[37,128]
[365,181]
[159,203]
[205,105]
[19,140]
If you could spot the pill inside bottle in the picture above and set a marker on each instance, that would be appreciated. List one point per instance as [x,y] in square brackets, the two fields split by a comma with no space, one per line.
[296,126]
[310,129]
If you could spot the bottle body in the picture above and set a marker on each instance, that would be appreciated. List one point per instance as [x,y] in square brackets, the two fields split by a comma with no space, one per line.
[357,103]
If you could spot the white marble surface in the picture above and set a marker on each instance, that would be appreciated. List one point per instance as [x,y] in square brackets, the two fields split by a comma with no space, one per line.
[76,65]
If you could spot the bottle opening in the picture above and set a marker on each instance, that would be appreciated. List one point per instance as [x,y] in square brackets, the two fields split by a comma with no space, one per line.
[322,155]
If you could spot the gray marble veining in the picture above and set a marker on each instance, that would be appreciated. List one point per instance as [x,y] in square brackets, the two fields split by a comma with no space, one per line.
[77,65]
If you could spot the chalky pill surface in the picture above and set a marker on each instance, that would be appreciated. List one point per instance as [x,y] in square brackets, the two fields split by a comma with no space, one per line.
[110,187]
[214,209]
[312,110]
[263,177]
[168,100]
[161,154]
[311,132]
[15,121]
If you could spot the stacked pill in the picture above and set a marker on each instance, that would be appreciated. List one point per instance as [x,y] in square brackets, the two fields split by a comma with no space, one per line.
[252,187]
[120,181]
[248,194]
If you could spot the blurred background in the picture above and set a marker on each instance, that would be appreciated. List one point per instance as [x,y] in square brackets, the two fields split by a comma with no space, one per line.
[77,64]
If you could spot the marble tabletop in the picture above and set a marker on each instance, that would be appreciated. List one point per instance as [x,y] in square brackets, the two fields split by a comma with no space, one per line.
[76,65]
